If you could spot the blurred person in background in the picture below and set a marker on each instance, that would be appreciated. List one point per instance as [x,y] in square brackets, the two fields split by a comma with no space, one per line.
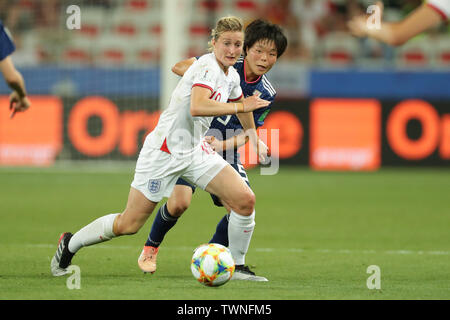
[280,13]
[10,12]
[36,26]
[18,101]
[313,18]
[428,15]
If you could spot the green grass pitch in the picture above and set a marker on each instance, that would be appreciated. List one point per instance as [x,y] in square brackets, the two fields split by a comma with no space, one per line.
[316,234]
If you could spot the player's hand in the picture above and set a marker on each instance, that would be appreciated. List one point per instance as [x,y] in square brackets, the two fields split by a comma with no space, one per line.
[263,152]
[18,104]
[215,144]
[380,5]
[254,102]
[358,25]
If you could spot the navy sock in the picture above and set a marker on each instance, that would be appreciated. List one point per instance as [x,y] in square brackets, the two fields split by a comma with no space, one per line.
[161,225]
[221,235]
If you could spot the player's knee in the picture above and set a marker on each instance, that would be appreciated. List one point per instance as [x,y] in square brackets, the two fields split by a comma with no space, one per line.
[246,203]
[123,230]
[179,208]
[126,226]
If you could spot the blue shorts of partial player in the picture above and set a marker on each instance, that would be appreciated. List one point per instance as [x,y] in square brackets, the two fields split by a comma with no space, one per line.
[237,165]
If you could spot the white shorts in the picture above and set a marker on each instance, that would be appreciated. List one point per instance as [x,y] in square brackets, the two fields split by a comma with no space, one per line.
[157,171]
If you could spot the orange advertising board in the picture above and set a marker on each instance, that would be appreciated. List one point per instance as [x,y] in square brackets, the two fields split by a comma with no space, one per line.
[34,137]
[397,135]
[345,134]
[289,135]
[327,134]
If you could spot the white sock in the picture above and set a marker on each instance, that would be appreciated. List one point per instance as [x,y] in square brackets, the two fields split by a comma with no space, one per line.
[240,230]
[99,230]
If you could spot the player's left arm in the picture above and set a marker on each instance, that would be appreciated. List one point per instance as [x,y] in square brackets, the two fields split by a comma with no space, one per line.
[229,144]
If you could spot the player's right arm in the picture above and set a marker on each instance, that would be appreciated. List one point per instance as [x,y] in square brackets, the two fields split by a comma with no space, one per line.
[397,33]
[13,77]
[181,67]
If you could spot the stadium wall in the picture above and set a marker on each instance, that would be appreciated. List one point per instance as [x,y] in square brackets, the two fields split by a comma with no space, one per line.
[103,114]
[324,133]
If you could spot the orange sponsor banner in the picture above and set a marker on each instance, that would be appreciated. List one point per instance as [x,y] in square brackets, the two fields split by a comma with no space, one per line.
[132,123]
[94,146]
[345,134]
[397,135]
[444,149]
[287,143]
[33,137]
[118,129]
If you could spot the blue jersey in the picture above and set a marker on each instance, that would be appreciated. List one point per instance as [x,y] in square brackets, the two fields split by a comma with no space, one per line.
[260,86]
[6,45]
[224,127]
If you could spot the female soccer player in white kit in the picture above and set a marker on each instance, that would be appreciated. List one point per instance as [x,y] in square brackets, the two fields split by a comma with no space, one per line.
[428,15]
[176,148]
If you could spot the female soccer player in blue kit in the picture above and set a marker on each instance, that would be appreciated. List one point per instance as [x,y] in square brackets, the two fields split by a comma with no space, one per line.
[264,43]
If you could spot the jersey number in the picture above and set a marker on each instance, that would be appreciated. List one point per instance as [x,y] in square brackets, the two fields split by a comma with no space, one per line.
[224,121]
[216,96]
[242,172]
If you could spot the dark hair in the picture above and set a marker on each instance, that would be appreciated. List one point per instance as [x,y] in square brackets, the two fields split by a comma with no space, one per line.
[259,30]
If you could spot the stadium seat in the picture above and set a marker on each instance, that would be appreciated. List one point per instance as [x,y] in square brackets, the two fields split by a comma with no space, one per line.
[123,23]
[246,9]
[442,51]
[93,22]
[135,23]
[78,51]
[338,49]
[415,53]
[246,5]
[153,29]
[111,50]
[138,5]
[197,47]
[144,50]
[209,5]
[199,30]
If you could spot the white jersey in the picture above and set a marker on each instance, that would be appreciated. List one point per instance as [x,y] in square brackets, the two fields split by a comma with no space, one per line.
[441,6]
[178,132]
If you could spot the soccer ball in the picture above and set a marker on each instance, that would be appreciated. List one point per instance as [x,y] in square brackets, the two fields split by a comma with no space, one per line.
[212,264]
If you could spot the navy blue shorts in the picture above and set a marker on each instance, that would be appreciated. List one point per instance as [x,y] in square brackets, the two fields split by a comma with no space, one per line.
[237,166]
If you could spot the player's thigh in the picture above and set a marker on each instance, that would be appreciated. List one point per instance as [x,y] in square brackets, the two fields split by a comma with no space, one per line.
[136,213]
[180,199]
[229,186]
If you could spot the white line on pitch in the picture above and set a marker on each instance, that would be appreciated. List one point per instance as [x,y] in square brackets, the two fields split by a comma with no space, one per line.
[294,250]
